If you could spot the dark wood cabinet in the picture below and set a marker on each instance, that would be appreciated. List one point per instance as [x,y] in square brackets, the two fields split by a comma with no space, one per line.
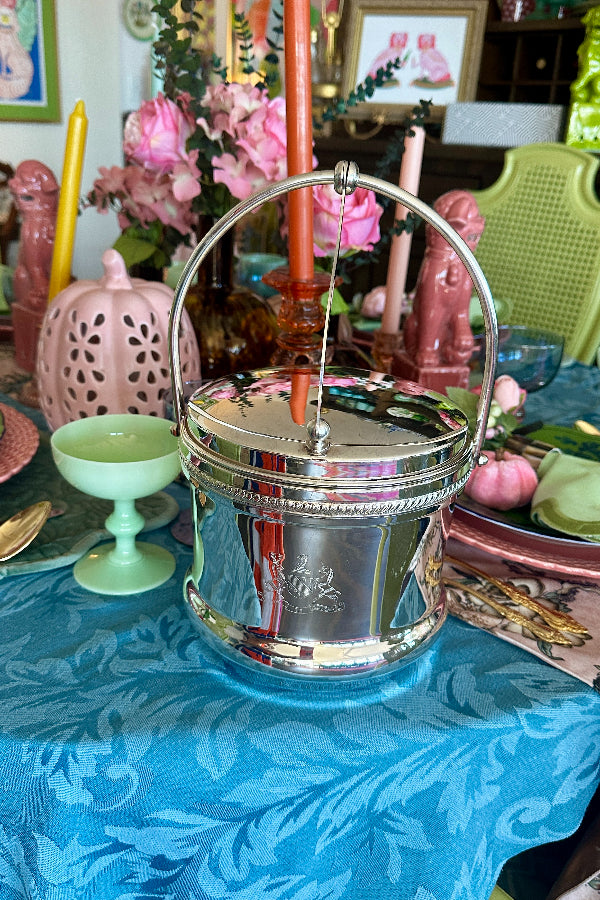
[533,61]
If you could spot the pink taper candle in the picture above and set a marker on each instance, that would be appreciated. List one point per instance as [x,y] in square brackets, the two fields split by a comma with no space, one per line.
[410,175]
[296,32]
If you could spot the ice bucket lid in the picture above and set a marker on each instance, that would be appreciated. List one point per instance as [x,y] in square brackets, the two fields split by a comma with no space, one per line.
[388,436]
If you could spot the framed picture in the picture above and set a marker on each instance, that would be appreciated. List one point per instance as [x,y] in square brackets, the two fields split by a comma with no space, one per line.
[218,35]
[265,23]
[438,41]
[28,62]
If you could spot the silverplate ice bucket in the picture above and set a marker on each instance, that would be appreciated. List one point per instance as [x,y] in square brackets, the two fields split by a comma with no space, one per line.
[320,554]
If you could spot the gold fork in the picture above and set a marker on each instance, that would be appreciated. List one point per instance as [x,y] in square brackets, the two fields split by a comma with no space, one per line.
[552,617]
[543,632]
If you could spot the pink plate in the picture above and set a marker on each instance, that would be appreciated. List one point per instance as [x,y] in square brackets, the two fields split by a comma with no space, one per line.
[543,551]
[18,443]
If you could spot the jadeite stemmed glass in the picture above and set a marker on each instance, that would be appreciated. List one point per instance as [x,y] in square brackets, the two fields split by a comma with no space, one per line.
[120,458]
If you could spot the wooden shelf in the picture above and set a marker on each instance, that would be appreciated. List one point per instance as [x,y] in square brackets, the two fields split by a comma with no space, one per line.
[532,61]
[535,25]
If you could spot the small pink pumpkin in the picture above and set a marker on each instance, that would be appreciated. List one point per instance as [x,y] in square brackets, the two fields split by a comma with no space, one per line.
[103,347]
[505,482]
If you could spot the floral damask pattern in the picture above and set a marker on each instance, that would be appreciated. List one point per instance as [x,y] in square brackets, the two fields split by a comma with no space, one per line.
[137,764]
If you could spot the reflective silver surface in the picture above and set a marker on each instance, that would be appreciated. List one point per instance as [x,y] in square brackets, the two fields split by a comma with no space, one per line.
[329,565]
[308,597]
[322,556]
[392,192]
[394,446]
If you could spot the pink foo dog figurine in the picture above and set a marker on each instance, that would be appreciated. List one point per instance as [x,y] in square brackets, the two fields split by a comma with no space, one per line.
[438,341]
[434,66]
[36,191]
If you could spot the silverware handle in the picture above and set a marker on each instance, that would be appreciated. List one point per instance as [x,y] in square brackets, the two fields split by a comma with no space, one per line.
[392,192]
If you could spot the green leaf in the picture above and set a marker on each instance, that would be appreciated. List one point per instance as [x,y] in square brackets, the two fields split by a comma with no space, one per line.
[338,304]
[466,401]
[507,421]
[133,250]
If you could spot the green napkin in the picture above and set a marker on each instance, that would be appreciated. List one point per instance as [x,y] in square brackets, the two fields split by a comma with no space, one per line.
[567,497]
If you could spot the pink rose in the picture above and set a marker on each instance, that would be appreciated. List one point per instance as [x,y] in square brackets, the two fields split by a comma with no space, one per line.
[507,393]
[374,302]
[507,397]
[155,136]
[360,230]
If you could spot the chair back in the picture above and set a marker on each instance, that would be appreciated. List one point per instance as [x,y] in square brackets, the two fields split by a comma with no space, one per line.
[540,248]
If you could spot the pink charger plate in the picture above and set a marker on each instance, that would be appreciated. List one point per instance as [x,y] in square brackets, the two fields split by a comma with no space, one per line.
[549,552]
[18,443]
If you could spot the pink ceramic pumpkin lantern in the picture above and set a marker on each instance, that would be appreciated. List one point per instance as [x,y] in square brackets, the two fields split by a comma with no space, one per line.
[103,347]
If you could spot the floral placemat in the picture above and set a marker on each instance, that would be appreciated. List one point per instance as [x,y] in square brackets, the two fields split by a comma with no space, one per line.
[579,655]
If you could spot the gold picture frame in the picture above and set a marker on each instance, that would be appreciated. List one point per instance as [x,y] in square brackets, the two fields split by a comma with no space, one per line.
[440,42]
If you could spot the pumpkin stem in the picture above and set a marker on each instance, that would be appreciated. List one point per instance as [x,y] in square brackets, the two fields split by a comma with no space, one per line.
[500,451]
[115,271]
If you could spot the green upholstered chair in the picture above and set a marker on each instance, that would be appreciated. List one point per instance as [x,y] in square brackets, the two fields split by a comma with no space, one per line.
[540,248]
[499,894]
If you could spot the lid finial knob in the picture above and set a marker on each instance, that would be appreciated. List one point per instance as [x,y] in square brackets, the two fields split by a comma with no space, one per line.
[318,442]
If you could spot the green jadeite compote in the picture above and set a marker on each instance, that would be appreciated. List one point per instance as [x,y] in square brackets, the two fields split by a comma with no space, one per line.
[120,458]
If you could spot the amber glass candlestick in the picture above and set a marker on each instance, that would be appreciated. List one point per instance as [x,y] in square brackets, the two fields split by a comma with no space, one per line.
[301,316]
[385,347]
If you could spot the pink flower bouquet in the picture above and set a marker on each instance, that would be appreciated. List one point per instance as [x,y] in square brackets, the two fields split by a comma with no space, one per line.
[151,194]
[195,150]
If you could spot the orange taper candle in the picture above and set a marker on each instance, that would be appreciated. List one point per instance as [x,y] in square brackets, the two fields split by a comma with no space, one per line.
[296,31]
[68,201]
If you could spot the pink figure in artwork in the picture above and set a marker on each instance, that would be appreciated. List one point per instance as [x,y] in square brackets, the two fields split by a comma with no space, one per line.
[434,67]
[258,20]
[16,65]
[437,331]
[396,48]
[35,190]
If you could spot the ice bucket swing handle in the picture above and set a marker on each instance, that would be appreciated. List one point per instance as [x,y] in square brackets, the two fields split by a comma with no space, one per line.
[392,192]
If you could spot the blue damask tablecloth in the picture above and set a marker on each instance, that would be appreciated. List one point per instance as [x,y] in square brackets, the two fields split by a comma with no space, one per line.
[136,763]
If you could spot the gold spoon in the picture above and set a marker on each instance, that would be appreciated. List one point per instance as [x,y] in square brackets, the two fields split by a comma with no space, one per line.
[19,531]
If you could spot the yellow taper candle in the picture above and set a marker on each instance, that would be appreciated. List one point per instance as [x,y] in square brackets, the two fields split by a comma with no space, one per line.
[68,201]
